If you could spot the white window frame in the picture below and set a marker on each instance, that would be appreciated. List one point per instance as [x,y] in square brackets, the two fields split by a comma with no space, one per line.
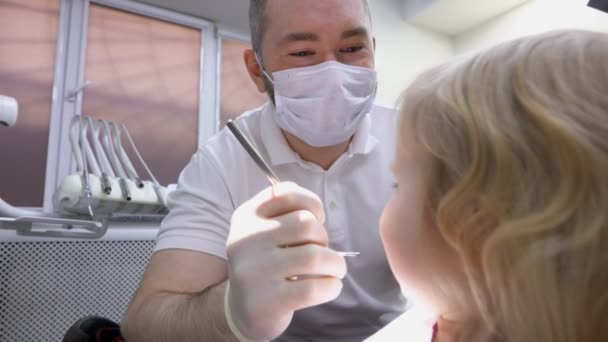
[224,32]
[69,75]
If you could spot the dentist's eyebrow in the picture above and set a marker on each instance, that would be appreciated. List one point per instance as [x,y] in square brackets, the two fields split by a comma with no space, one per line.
[356,32]
[298,37]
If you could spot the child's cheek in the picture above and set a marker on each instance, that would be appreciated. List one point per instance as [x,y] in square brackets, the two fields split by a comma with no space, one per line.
[400,236]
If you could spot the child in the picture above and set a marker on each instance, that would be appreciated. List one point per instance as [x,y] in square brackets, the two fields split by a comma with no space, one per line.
[499,221]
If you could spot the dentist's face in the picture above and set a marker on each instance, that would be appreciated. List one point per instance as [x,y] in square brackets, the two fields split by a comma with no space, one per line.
[303,32]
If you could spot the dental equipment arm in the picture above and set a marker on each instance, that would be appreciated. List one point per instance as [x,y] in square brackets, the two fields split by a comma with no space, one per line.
[88,151]
[120,172]
[123,157]
[86,186]
[74,138]
[23,220]
[106,169]
[157,187]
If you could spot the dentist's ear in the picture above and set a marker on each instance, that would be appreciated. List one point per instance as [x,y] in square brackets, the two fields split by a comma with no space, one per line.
[254,70]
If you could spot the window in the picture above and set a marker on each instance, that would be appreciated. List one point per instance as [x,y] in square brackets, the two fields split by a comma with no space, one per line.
[145,67]
[239,93]
[28,39]
[145,73]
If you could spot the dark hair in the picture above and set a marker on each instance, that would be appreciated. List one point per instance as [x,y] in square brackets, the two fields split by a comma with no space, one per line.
[258,22]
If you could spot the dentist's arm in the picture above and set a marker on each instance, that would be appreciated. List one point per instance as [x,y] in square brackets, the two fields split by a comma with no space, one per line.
[181,297]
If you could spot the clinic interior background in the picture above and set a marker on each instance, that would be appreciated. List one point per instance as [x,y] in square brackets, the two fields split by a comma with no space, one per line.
[172,72]
[155,75]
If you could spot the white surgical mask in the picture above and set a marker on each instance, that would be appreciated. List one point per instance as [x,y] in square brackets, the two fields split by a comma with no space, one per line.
[323,104]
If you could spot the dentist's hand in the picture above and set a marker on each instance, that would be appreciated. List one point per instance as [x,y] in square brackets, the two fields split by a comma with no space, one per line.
[274,237]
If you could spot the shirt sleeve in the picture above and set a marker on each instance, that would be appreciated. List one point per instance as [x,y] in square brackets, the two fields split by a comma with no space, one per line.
[199,210]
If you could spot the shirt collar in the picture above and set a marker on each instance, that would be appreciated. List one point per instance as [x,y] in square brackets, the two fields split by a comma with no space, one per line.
[279,151]
[363,141]
[273,139]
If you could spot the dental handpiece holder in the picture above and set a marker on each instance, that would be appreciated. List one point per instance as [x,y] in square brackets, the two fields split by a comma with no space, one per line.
[106,181]
[37,223]
[105,186]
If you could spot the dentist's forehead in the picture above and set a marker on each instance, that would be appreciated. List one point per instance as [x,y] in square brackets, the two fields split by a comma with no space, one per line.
[291,37]
[301,14]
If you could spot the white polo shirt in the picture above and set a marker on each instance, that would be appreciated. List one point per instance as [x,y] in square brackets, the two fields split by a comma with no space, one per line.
[221,176]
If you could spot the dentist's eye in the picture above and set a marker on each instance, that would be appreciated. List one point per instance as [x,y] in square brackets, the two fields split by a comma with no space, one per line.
[353,49]
[301,54]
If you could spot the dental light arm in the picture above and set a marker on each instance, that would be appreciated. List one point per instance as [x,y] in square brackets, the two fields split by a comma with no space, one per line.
[601,5]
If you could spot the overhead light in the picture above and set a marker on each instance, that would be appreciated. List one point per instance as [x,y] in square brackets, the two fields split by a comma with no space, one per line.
[601,5]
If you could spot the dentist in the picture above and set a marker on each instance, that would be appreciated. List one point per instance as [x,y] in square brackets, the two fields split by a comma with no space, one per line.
[237,260]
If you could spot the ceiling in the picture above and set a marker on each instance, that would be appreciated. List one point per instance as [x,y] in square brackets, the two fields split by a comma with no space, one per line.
[454,17]
[449,17]
[231,14]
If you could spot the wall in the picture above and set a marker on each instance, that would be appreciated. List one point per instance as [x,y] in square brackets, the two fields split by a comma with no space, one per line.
[402,50]
[533,17]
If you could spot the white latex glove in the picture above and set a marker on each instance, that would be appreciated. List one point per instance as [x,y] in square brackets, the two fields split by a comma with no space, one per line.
[262,294]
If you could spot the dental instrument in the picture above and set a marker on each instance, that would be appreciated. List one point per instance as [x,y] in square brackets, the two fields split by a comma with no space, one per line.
[109,147]
[106,168]
[272,177]
[161,192]
[123,157]
[253,153]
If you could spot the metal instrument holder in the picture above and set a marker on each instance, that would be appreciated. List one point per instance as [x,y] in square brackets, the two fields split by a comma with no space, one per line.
[40,224]
[35,224]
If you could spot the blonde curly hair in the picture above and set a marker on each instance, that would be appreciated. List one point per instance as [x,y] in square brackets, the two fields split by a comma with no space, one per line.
[518,134]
